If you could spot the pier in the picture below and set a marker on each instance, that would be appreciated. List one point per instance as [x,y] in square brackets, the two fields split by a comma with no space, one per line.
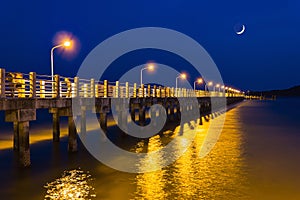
[22,94]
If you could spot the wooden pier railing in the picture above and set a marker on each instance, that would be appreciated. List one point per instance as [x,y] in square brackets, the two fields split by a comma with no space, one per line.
[32,85]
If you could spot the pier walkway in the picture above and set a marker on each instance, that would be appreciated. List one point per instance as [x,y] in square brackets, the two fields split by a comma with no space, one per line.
[22,94]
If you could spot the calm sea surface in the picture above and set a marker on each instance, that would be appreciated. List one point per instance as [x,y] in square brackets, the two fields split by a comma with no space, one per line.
[256,157]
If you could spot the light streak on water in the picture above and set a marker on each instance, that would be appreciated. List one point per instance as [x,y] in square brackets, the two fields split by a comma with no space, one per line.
[74,184]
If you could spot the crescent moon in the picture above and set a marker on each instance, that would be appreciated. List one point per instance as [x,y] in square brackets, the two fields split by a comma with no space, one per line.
[242,31]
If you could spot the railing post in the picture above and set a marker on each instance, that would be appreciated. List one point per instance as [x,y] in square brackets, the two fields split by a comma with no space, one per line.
[166,92]
[97,90]
[69,88]
[92,88]
[2,83]
[154,91]
[134,90]
[126,90]
[85,90]
[149,90]
[159,92]
[32,82]
[56,86]
[42,89]
[142,91]
[76,87]
[117,89]
[20,80]
[105,89]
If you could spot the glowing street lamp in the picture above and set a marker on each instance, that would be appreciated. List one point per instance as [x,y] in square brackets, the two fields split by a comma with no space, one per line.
[223,88]
[182,76]
[199,81]
[150,67]
[65,44]
[217,86]
[208,84]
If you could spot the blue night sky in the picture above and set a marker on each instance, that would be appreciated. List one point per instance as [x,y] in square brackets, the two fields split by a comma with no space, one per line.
[266,56]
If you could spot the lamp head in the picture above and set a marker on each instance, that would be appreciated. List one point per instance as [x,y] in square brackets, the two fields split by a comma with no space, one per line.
[183,76]
[200,80]
[67,43]
[150,67]
[210,83]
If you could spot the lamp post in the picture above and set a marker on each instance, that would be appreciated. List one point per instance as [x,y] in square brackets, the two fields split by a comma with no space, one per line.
[182,76]
[217,86]
[223,88]
[199,81]
[149,67]
[209,84]
[65,44]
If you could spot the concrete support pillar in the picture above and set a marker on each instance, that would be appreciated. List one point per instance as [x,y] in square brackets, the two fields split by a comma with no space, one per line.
[103,121]
[24,151]
[72,142]
[171,115]
[153,117]
[122,120]
[56,127]
[132,113]
[16,136]
[178,113]
[142,115]
[83,120]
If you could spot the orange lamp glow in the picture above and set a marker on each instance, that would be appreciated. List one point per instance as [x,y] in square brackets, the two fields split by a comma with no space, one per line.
[200,80]
[150,67]
[67,43]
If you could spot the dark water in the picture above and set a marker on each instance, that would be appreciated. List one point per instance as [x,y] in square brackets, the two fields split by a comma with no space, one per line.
[256,157]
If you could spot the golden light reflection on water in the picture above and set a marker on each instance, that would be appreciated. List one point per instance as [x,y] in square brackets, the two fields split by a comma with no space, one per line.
[74,184]
[42,133]
[154,180]
[219,175]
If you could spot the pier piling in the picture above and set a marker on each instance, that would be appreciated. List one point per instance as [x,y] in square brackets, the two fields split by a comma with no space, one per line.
[24,150]
[56,126]
[72,139]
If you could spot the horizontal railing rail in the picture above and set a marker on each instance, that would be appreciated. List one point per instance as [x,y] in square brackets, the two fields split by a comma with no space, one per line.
[21,85]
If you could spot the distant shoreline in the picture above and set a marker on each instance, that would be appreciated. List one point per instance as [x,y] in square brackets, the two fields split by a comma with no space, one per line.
[290,92]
